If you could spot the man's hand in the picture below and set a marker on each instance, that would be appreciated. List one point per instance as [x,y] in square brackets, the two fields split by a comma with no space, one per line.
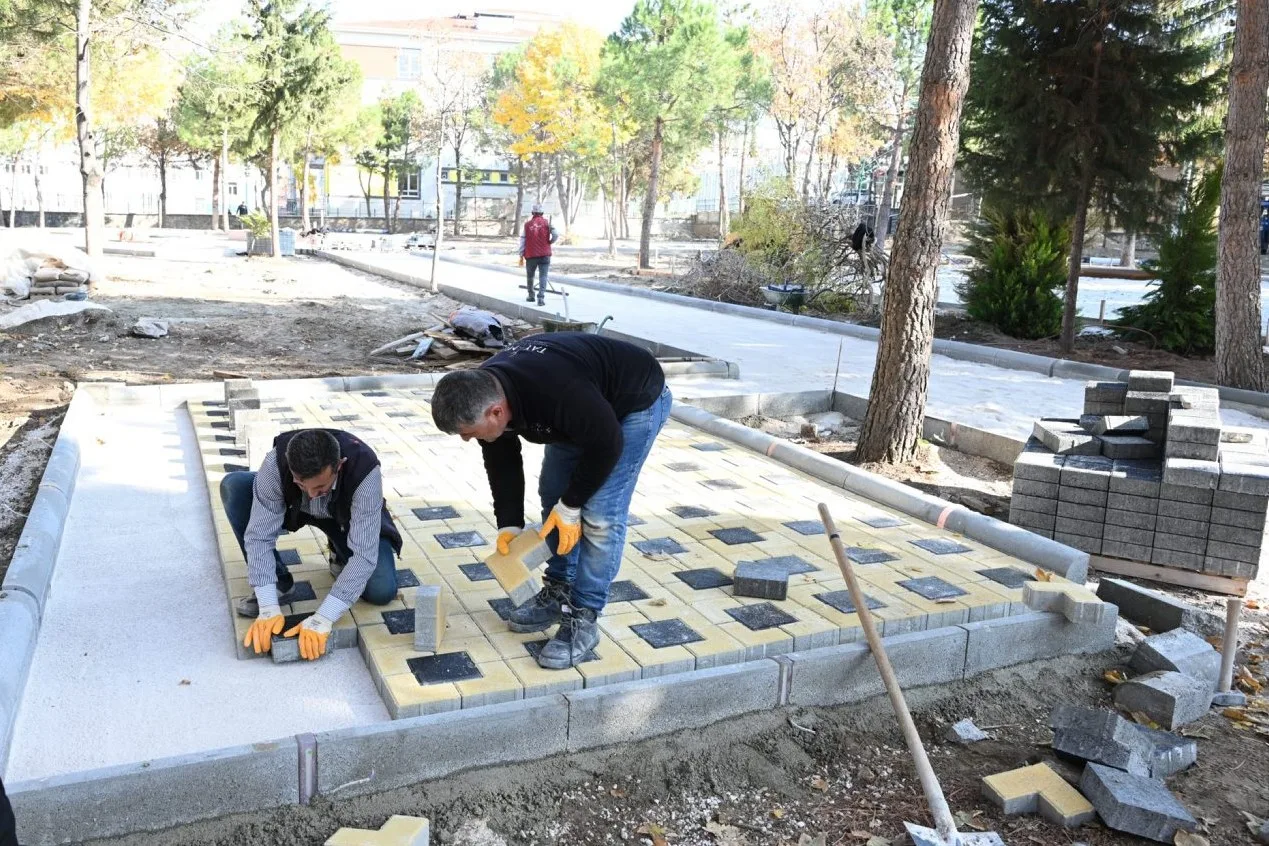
[260,636]
[505,536]
[312,633]
[568,522]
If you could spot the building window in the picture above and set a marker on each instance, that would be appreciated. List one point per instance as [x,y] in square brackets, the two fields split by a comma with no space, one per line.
[408,185]
[233,189]
[409,63]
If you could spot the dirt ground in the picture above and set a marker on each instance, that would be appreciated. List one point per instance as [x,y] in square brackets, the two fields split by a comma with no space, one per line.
[784,778]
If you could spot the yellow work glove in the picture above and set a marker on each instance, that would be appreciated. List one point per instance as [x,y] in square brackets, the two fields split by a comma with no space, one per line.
[568,522]
[312,633]
[505,536]
[263,628]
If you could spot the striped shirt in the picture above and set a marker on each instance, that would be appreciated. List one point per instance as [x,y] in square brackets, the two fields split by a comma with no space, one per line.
[268,512]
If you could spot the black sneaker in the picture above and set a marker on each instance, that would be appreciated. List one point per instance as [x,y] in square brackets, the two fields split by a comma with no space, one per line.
[529,298]
[248,607]
[542,611]
[541,301]
[576,637]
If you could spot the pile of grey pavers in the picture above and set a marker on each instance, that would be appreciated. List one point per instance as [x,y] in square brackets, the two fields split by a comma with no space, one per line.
[1148,474]
[1128,761]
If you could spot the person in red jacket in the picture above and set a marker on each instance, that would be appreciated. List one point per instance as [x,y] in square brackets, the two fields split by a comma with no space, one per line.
[535,249]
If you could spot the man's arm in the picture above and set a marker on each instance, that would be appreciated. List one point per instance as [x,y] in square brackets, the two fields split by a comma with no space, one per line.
[505,468]
[268,511]
[363,542]
[554,235]
[589,422]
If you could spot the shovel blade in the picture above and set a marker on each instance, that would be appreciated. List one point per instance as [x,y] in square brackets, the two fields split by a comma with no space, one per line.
[922,836]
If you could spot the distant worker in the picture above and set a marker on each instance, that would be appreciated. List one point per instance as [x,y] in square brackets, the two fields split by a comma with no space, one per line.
[312,477]
[535,249]
[863,237]
[1264,226]
[242,209]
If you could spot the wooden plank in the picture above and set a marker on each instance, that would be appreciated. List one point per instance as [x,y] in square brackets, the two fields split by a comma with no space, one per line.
[464,345]
[442,352]
[1170,575]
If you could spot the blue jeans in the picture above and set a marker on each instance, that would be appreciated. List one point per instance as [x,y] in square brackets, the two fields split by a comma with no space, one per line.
[237,494]
[592,565]
[542,264]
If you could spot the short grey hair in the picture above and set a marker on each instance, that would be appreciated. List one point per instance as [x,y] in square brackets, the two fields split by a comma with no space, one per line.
[461,398]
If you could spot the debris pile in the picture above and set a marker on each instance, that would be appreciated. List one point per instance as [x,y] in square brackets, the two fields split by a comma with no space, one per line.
[46,272]
[467,337]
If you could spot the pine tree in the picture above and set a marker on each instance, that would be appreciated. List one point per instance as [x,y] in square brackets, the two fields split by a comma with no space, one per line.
[1071,105]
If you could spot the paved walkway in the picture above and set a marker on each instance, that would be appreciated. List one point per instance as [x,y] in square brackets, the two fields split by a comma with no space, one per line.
[775,358]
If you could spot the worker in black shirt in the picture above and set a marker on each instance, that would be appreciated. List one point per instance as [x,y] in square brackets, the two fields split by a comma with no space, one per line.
[597,404]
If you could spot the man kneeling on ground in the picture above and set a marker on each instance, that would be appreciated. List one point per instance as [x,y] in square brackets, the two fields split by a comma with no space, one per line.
[312,477]
[597,404]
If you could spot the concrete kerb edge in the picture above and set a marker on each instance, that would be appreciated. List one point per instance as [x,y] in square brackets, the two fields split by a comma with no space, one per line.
[1009,359]
[1059,558]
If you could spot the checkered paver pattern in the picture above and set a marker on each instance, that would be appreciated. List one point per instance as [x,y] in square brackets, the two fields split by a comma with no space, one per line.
[701,507]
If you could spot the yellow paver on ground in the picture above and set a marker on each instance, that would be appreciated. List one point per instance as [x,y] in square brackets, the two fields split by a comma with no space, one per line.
[701,506]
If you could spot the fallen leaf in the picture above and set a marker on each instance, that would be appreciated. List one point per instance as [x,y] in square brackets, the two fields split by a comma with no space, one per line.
[1043,575]
[878,841]
[657,603]
[819,783]
[1251,604]
[1184,838]
[818,840]
[1200,732]
[725,835]
[1115,676]
[778,813]
[1141,718]
[967,819]
[859,834]
[946,600]
[1216,641]
[655,832]
[617,793]
[184,683]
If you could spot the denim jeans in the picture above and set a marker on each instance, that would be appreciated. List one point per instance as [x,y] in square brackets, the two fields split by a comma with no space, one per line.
[542,264]
[8,825]
[237,494]
[592,565]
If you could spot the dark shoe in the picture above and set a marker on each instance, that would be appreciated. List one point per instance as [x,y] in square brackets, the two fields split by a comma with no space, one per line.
[248,606]
[542,611]
[576,637]
[529,298]
[541,301]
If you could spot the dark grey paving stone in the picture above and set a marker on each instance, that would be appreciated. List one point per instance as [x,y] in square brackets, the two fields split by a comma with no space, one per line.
[449,667]
[477,572]
[704,578]
[533,647]
[792,564]
[1010,577]
[634,520]
[932,587]
[682,467]
[289,557]
[625,591]
[764,615]
[663,633]
[406,578]
[286,421]
[862,555]
[435,512]
[220,425]
[236,468]
[302,592]
[502,607]
[460,540]
[402,414]
[941,546]
[710,446]
[737,535]
[722,484]
[882,522]
[806,527]
[374,393]
[224,439]
[691,512]
[214,412]
[661,546]
[840,599]
[344,418]
[232,452]
[400,621]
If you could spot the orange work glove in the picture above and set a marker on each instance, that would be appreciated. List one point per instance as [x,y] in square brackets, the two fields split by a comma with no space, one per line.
[263,628]
[313,633]
[568,522]
[505,536]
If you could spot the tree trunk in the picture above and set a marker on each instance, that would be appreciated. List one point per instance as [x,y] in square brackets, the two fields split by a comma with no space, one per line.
[440,218]
[519,213]
[224,170]
[740,186]
[387,210]
[13,196]
[305,221]
[562,192]
[724,214]
[1128,255]
[275,142]
[650,198]
[162,189]
[89,163]
[458,189]
[882,222]
[900,379]
[1078,228]
[215,215]
[537,193]
[806,170]
[1239,349]
[39,192]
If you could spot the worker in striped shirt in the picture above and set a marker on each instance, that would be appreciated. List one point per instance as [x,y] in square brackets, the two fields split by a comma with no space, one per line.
[312,477]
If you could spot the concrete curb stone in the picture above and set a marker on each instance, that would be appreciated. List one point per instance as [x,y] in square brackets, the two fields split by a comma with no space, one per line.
[1135,804]
[1170,699]
[1000,643]
[838,675]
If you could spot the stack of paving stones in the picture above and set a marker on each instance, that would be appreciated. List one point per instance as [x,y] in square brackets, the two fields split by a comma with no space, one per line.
[1148,474]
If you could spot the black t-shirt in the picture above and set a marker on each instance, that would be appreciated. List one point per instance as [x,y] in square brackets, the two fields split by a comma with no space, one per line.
[566,387]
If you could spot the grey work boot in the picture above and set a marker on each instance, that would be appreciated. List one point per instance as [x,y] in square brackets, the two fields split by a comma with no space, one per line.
[542,611]
[577,635]
[248,606]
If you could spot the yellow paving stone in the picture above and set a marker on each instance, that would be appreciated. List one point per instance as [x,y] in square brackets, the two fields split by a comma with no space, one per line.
[496,684]
[761,643]
[510,644]
[616,626]
[365,613]
[397,831]
[665,661]
[541,682]
[1038,788]
[717,649]
[407,698]
[613,665]
[377,638]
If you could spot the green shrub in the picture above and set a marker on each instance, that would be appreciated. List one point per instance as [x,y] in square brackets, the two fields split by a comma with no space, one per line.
[257,223]
[1020,262]
[774,236]
[1180,310]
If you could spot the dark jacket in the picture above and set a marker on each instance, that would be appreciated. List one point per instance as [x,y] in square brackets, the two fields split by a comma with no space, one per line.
[361,460]
[566,387]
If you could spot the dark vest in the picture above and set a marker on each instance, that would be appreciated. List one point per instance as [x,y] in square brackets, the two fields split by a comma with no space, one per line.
[537,237]
[361,459]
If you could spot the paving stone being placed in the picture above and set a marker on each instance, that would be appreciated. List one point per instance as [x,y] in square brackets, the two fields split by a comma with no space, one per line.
[1100,736]
[762,581]
[1135,804]
[514,571]
[1181,651]
[397,831]
[429,618]
[1169,698]
[1038,789]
